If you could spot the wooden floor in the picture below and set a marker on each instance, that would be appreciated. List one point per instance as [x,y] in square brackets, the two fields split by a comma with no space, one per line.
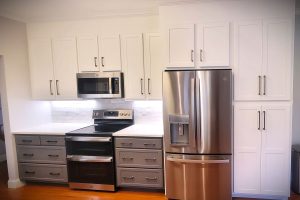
[54,192]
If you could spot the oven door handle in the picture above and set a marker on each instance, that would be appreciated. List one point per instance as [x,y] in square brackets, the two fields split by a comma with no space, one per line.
[88,139]
[95,159]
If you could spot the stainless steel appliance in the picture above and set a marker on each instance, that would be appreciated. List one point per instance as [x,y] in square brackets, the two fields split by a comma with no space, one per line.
[90,151]
[100,85]
[197,107]
[295,169]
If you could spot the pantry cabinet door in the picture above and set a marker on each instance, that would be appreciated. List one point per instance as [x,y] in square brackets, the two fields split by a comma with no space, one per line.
[213,44]
[181,46]
[41,69]
[65,67]
[278,60]
[247,147]
[133,63]
[275,161]
[87,49]
[248,60]
[110,52]
[153,65]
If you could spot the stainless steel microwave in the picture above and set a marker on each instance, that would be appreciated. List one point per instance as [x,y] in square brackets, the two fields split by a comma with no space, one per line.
[100,85]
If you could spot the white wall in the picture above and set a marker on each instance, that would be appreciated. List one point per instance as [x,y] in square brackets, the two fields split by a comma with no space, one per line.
[18,110]
[296,103]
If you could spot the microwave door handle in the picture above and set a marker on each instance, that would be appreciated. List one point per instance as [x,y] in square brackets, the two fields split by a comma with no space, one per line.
[192,161]
[95,159]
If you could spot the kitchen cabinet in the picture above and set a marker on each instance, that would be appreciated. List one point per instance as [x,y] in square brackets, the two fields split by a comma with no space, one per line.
[262,148]
[110,52]
[213,44]
[53,68]
[87,53]
[181,46]
[263,61]
[142,62]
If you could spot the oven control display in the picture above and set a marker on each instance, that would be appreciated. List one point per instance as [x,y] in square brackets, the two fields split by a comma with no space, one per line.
[111,114]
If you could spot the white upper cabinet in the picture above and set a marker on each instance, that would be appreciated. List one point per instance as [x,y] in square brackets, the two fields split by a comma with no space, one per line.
[213,44]
[87,50]
[263,53]
[278,60]
[65,67]
[153,65]
[262,148]
[41,68]
[181,46]
[133,66]
[110,52]
[248,60]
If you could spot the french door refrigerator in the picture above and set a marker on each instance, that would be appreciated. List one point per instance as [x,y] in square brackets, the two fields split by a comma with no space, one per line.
[197,106]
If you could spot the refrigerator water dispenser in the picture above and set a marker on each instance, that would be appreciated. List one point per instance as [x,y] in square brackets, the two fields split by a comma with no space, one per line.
[179,128]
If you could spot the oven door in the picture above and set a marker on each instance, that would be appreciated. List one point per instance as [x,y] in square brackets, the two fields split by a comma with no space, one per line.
[91,172]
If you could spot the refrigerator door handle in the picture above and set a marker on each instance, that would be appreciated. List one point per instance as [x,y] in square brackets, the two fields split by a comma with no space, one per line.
[189,161]
[192,121]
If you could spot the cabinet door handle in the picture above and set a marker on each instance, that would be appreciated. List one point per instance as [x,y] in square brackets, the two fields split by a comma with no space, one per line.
[259,85]
[95,60]
[51,91]
[57,87]
[264,114]
[149,92]
[102,61]
[258,120]
[142,87]
[201,55]
[265,82]
[192,55]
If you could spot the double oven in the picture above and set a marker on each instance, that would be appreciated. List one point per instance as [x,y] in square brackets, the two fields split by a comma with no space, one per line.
[90,151]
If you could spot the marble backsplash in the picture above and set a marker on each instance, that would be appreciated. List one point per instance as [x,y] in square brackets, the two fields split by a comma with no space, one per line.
[81,111]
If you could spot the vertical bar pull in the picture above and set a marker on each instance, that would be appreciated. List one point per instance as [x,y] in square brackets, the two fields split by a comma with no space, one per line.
[57,88]
[265,80]
[51,91]
[258,120]
[259,85]
[142,87]
[102,61]
[149,92]
[264,114]
[192,55]
[95,60]
[201,55]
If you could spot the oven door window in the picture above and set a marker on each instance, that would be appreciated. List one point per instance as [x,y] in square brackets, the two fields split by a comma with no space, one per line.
[91,172]
[89,148]
[93,85]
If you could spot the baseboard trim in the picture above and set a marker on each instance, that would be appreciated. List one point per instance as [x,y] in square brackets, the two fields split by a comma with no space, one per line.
[15,183]
[2,157]
[260,196]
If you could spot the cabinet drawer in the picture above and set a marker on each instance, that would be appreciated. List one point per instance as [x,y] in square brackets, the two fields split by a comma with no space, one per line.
[140,177]
[41,154]
[43,172]
[142,143]
[53,140]
[28,139]
[139,158]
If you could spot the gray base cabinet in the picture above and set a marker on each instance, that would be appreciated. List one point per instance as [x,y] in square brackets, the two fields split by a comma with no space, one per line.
[139,162]
[42,158]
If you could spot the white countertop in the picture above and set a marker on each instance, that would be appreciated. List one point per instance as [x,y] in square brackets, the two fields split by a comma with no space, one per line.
[142,130]
[52,128]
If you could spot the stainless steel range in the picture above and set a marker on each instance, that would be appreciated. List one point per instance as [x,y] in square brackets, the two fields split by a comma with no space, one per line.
[90,151]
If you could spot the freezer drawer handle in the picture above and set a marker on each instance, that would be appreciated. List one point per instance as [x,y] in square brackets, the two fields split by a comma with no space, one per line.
[197,161]
[89,139]
[95,159]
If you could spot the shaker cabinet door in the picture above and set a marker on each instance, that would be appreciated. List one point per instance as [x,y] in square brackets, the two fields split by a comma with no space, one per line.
[110,53]
[87,49]
[65,67]
[41,68]
[181,41]
[248,60]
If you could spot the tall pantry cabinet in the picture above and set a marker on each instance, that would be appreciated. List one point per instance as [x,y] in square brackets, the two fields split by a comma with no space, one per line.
[262,110]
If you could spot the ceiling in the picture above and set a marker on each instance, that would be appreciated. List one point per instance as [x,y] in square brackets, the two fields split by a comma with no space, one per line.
[53,10]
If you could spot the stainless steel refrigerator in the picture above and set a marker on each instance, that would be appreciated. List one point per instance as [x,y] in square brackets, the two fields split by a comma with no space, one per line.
[197,108]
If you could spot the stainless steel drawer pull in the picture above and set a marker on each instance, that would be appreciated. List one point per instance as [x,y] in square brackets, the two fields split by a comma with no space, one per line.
[151,179]
[51,91]
[102,61]
[95,60]
[149,144]
[53,156]
[54,174]
[28,154]
[142,87]
[26,141]
[57,87]
[127,158]
[150,159]
[51,141]
[29,172]
[128,177]
[126,143]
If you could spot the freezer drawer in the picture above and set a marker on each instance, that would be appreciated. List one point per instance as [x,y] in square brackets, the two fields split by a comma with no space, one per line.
[197,177]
